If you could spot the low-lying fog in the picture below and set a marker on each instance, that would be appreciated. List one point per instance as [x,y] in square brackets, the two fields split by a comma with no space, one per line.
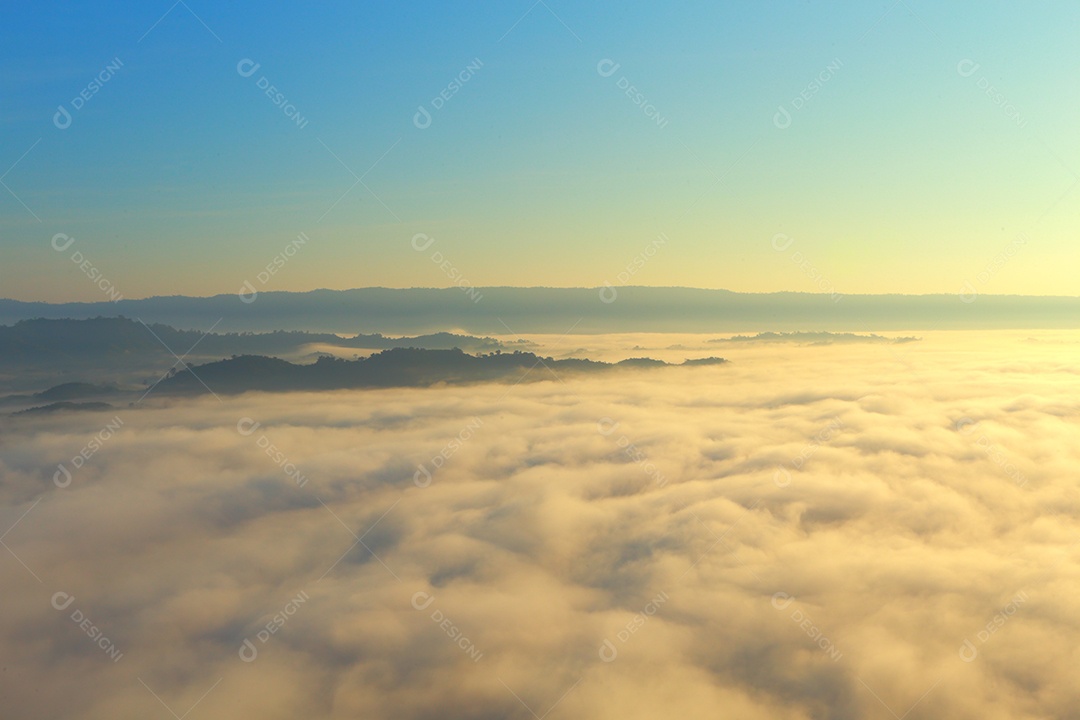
[852,530]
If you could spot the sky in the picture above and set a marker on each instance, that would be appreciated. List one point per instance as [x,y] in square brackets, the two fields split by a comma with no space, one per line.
[845,147]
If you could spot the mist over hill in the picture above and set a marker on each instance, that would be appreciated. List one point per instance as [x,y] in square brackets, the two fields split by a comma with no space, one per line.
[43,352]
[505,310]
[119,339]
[399,367]
[119,360]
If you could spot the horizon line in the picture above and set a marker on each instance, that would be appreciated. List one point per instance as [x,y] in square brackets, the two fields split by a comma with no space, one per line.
[596,288]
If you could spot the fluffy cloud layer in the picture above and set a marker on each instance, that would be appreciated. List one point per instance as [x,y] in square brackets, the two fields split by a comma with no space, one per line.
[809,532]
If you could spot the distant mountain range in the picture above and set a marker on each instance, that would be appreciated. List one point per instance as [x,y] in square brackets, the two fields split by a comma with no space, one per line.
[505,311]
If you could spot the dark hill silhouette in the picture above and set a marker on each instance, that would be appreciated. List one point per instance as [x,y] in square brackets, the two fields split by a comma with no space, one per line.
[64,392]
[65,407]
[704,361]
[815,338]
[398,367]
[76,391]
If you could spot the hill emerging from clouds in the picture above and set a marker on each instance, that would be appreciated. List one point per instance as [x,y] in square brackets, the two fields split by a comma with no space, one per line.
[399,367]
[42,352]
[813,338]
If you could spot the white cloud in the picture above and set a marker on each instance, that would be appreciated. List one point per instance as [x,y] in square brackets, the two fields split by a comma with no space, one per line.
[899,535]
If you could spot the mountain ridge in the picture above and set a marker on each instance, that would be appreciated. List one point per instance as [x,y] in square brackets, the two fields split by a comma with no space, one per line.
[508,311]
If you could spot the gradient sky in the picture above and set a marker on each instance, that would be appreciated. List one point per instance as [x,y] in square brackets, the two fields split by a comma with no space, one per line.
[899,174]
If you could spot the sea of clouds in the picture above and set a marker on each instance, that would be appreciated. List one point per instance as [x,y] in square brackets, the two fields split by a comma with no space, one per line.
[830,531]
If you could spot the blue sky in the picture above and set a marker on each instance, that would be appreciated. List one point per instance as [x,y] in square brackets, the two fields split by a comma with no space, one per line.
[898,173]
